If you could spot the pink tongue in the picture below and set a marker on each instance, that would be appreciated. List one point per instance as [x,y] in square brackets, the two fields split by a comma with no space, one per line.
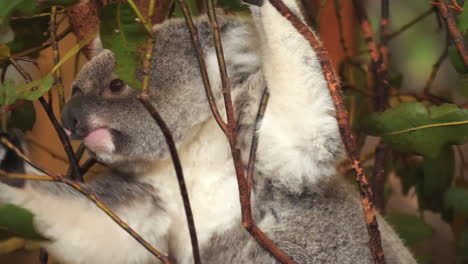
[99,139]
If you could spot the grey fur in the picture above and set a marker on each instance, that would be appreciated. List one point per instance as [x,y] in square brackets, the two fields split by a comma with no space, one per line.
[319,222]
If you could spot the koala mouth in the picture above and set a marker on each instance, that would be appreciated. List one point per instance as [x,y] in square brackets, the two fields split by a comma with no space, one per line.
[98,139]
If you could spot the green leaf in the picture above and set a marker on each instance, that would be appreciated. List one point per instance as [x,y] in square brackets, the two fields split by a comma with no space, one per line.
[410,176]
[7,8]
[121,34]
[438,172]
[35,89]
[438,175]
[18,221]
[457,198]
[29,33]
[456,60]
[412,128]
[411,229]
[8,92]
[462,245]
[463,23]
[4,50]
[23,117]
[463,84]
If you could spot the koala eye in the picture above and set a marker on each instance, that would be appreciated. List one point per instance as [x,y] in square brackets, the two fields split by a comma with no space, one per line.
[116,86]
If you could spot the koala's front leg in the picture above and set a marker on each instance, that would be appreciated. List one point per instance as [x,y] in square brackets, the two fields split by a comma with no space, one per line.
[79,232]
[299,141]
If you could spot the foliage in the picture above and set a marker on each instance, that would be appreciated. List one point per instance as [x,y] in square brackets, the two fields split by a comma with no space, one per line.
[420,129]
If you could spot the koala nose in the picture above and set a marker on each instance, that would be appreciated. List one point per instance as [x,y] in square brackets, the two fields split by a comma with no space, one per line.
[72,116]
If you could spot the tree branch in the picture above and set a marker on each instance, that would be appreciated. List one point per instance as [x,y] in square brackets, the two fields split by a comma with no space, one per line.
[144,99]
[452,28]
[342,115]
[55,50]
[77,186]
[63,137]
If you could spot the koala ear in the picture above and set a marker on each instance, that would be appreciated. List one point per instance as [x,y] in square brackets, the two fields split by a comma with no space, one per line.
[96,47]
[95,71]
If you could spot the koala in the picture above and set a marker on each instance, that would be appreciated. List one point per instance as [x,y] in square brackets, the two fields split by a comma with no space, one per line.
[299,200]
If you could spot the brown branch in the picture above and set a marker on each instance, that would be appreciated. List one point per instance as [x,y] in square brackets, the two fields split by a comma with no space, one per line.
[87,165]
[342,115]
[84,21]
[81,189]
[62,135]
[202,64]
[55,50]
[452,28]
[405,27]
[43,46]
[229,128]
[144,99]
[435,70]
[339,19]
[244,189]
[253,146]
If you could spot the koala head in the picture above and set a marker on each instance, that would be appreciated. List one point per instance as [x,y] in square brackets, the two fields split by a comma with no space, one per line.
[104,112]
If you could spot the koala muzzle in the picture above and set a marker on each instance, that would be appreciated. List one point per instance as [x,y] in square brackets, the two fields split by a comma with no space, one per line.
[73,118]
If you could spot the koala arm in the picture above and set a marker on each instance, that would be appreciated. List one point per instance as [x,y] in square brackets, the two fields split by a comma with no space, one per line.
[79,232]
[299,140]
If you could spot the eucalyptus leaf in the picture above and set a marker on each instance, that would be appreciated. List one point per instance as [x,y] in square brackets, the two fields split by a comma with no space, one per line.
[124,36]
[18,221]
[23,117]
[463,84]
[8,92]
[411,229]
[456,60]
[413,128]
[4,50]
[35,89]
[457,198]
[462,244]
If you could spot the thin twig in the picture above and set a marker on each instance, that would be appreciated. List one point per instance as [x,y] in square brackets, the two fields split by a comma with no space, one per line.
[62,135]
[244,189]
[339,19]
[55,51]
[229,128]
[253,146]
[375,243]
[455,34]
[43,46]
[87,165]
[143,20]
[144,99]
[81,189]
[407,26]
[435,70]
[202,66]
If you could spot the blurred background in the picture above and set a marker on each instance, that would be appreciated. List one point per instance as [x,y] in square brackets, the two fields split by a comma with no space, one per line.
[424,196]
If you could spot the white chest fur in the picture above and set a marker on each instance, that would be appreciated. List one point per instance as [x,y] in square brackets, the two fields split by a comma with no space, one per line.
[212,188]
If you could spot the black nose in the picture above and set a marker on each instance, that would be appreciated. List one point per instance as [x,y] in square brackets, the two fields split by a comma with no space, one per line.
[73,117]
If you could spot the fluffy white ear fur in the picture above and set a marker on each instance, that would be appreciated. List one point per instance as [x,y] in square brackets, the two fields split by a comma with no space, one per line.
[96,46]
